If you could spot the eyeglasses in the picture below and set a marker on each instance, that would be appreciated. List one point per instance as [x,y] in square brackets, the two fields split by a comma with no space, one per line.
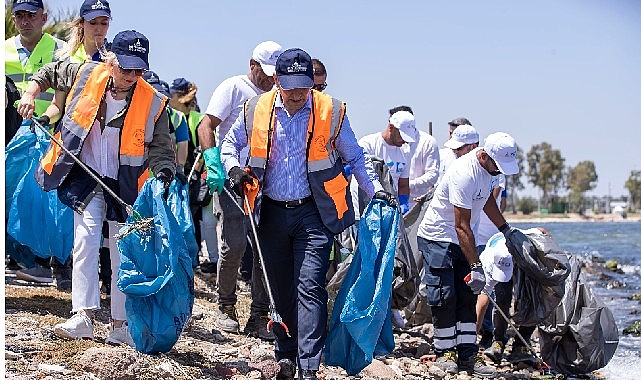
[136,72]
[320,86]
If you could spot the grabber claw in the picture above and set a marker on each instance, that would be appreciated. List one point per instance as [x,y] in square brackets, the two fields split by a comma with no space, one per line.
[279,321]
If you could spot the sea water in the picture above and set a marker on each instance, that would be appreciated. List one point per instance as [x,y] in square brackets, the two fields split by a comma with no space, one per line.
[620,241]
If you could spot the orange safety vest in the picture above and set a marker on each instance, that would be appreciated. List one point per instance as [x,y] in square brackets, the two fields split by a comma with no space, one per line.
[82,105]
[327,182]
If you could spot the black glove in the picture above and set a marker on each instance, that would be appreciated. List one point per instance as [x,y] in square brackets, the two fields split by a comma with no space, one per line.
[238,178]
[42,120]
[506,230]
[180,174]
[476,279]
[166,177]
[387,197]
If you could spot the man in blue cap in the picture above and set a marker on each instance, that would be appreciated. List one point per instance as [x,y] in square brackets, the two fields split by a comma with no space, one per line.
[299,140]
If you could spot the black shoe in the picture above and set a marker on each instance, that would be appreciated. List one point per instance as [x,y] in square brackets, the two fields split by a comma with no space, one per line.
[307,374]
[62,276]
[486,340]
[209,267]
[287,370]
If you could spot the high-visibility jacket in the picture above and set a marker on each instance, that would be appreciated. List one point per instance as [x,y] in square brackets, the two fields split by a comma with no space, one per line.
[193,120]
[21,75]
[327,182]
[82,106]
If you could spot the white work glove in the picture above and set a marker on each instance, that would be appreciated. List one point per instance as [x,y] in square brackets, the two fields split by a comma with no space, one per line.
[476,279]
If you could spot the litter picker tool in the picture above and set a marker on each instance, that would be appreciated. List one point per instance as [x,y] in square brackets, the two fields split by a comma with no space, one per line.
[274,317]
[543,366]
[139,223]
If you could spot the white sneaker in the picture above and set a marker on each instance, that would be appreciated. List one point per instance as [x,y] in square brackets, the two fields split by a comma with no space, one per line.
[119,335]
[79,326]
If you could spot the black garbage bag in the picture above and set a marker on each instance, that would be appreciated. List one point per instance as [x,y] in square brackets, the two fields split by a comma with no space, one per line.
[540,270]
[581,335]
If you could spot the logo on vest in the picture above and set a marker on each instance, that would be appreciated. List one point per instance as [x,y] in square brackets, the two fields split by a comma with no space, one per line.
[139,137]
[137,47]
[99,5]
[320,143]
[296,68]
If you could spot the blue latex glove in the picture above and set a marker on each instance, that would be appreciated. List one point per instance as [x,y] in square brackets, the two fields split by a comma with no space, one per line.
[347,169]
[403,202]
[215,172]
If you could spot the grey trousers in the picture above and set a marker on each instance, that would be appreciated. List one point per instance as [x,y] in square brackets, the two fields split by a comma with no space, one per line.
[232,230]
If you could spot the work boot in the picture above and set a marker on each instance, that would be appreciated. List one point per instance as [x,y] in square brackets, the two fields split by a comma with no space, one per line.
[36,273]
[287,370]
[447,362]
[474,365]
[307,374]
[495,353]
[521,354]
[257,327]
[227,319]
[62,275]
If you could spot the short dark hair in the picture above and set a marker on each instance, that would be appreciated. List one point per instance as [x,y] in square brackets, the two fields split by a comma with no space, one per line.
[319,68]
[394,110]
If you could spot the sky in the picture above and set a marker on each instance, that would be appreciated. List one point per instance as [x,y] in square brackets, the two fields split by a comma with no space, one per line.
[563,72]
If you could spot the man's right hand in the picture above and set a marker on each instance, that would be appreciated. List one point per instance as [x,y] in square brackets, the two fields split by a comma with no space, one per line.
[476,279]
[387,197]
[215,172]
[239,178]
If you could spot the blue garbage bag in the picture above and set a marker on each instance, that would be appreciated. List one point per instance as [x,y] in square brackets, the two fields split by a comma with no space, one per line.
[361,324]
[37,218]
[178,201]
[156,274]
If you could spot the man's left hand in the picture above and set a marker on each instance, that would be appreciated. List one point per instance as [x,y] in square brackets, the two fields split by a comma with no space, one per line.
[387,197]
[476,279]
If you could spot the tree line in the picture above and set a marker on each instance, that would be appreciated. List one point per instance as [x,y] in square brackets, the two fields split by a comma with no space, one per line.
[547,172]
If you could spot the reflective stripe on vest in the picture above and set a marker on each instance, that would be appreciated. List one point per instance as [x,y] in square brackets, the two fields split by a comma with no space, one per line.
[325,169]
[82,106]
[21,75]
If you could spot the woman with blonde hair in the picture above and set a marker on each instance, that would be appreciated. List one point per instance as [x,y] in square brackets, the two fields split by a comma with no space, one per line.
[88,32]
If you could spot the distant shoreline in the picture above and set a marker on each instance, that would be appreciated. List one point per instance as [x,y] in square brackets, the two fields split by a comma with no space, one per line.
[569,218]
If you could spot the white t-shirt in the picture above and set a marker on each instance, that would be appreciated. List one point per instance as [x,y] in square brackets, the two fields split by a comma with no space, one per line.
[447,156]
[227,101]
[424,164]
[466,184]
[394,157]
[486,228]
[101,148]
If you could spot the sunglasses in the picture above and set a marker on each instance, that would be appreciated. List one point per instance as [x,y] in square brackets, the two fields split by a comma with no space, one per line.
[136,72]
[320,86]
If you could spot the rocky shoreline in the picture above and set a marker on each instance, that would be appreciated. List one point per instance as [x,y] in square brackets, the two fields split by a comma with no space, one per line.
[569,218]
[32,351]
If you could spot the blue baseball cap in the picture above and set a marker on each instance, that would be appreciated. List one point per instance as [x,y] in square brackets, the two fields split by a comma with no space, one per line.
[31,6]
[154,80]
[131,49]
[294,69]
[91,9]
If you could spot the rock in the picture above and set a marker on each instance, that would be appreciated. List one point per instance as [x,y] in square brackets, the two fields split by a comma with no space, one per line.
[436,372]
[378,370]
[633,329]
[118,364]
[8,355]
[53,368]
[422,349]
[611,264]
[635,297]
[269,368]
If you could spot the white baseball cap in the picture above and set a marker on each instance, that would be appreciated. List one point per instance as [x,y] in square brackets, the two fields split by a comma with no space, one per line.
[266,53]
[502,148]
[462,135]
[496,259]
[406,125]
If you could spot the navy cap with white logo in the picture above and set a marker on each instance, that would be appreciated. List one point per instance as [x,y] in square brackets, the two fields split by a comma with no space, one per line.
[154,80]
[30,6]
[91,9]
[131,49]
[294,69]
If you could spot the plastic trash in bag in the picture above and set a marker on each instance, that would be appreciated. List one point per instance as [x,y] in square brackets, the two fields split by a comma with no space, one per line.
[361,325]
[581,335]
[37,218]
[156,274]
[540,270]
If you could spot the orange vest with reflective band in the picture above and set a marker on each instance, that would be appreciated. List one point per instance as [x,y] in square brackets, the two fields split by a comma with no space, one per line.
[82,106]
[327,182]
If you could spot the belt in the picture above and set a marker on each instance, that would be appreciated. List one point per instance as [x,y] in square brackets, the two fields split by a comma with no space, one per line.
[289,204]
